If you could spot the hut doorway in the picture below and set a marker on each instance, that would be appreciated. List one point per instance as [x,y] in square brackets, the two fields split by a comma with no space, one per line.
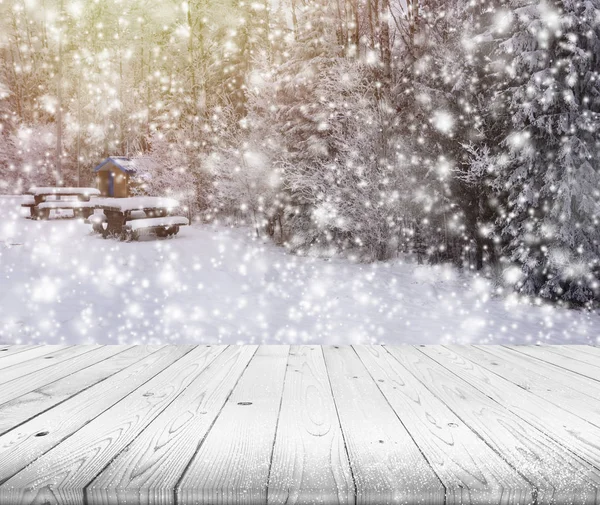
[111,184]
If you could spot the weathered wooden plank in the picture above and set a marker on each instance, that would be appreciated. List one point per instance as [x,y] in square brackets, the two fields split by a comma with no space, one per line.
[60,475]
[310,464]
[586,353]
[555,451]
[21,446]
[387,465]
[148,471]
[561,387]
[34,403]
[31,352]
[559,360]
[43,363]
[9,350]
[232,464]
[469,469]
[588,350]
[67,364]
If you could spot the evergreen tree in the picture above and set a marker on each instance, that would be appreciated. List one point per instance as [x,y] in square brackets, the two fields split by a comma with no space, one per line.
[551,174]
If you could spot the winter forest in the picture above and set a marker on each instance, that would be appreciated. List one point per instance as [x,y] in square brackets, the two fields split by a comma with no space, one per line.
[450,131]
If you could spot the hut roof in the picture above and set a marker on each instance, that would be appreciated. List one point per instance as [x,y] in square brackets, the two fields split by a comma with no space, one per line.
[127,165]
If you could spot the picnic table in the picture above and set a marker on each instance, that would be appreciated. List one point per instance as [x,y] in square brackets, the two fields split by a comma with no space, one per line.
[48,198]
[128,218]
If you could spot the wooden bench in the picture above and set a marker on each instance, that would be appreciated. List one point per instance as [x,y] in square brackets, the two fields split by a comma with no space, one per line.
[120,211]
[159,226]
[81,209]
[98,221]
[40,207]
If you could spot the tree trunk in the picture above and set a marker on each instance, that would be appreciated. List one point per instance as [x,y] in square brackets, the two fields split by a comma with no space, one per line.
[59,77]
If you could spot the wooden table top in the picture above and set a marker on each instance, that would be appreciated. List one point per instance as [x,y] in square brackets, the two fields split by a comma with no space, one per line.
[308,424]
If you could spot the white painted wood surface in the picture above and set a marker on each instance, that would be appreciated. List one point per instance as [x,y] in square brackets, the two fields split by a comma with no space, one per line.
[35,402]
[555,472]
[46,363]
[216,425]
[148,471]
[8,358]
[232,464]
[558,386]
[470,470]
[53,367]
[388,466]
[310,464]
[560,361]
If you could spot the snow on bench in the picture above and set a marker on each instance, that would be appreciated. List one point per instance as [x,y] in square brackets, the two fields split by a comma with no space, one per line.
[79,208]
[96,219]
[99,218]
[154,222]
[66,204]
[161,226]
[136,203]
[47,190]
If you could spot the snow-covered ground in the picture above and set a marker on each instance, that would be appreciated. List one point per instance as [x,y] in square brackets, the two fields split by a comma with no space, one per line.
[59,283]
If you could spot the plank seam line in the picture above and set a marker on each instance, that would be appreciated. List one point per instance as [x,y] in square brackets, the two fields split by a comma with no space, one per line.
[553,364]
[85,488]
[337,413]
[3,346]
[549,434]
[287,362]
[50,365]
[189,463]
[82,426]
[69,397]
[401,422]
[73,395]
[588,397]
[4,369]
[533,487]
[553,349]
[539,397]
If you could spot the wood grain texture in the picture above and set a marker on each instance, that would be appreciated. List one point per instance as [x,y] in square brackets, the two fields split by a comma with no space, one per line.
[148,471]
[387,465]
[66,365]
[232,464]
[9,350]
[469,469]
[585,353]
[29,352]
[60,475]
[310,464]
[525,440]
[592,351]
[372,425]
[49,362]
[560,387]
[22,445]
[559,360]
[36,402]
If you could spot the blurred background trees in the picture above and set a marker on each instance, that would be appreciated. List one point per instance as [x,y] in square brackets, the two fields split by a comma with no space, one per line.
[447,130]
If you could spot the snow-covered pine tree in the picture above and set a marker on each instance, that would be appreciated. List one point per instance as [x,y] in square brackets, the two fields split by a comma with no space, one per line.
[552,173]
[300,114]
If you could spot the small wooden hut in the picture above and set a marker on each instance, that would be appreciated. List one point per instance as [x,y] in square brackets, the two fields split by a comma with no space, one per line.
[113,176]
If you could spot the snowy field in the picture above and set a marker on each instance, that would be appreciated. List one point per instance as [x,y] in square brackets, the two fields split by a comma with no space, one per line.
[59,283]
